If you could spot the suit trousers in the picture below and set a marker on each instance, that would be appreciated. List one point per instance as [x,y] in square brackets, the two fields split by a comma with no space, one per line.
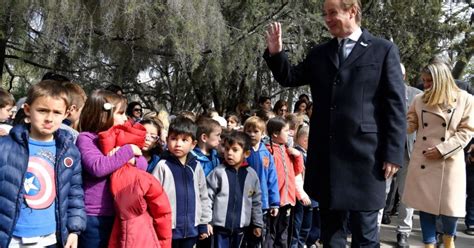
[362,225]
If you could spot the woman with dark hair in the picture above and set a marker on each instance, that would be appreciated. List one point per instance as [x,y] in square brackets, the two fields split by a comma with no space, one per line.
[281,108]
[134,111]
[301,110]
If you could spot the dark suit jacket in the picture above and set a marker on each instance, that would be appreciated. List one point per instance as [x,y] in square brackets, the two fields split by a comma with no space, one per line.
[358,120]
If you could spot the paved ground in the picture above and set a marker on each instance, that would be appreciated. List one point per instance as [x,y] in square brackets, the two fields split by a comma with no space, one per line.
[388,236]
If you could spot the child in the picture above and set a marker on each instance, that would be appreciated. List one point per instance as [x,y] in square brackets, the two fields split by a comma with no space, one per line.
[208,138]
[6,106]
[143,216]
[183,179]
[262,162]
[102,110]
[234,184]
[289,164]
[152,148]
[78,98]
[41,195]
[303,211]
[233,122]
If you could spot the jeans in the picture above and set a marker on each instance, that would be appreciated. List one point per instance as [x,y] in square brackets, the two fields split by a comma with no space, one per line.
[97,233]
[315,232]
[469,221]
[302,218]
[428,226]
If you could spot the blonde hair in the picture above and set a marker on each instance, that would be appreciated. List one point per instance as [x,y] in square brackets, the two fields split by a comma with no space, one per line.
[443,89]
[255,122]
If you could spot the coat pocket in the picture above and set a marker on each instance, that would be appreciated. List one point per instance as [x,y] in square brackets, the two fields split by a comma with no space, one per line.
[368,128]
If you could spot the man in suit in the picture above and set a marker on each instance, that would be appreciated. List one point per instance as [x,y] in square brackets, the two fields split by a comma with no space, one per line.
[358,125]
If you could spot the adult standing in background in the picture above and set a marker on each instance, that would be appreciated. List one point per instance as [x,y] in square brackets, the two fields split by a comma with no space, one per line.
[436,179]
[357,123]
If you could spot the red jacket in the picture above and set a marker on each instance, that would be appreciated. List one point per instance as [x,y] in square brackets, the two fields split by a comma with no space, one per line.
[287,166]
[143,211]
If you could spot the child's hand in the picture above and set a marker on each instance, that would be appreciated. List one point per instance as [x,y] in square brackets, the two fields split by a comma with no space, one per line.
[257,231]
[136,150]
[274,212]
[3,132]
[132,161]
[306,201]
[203,236]
[294,152]
[210,230]
[71,241]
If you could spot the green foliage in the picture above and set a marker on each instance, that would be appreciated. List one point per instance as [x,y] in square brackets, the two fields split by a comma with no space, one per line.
[195,54]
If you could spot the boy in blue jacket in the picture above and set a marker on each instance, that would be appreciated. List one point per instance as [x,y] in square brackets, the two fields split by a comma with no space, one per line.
[40,170]
[261,160]
[208,137]
[182,177]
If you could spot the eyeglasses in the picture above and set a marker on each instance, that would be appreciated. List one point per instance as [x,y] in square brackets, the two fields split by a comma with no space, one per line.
[151,137]
[137,110]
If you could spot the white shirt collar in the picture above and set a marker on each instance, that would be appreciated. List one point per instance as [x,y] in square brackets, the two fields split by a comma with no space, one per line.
[354,36]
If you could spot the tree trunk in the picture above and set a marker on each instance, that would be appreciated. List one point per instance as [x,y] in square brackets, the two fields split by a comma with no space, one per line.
[461,65]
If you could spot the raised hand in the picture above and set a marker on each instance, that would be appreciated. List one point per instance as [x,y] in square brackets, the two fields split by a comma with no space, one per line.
[273,35]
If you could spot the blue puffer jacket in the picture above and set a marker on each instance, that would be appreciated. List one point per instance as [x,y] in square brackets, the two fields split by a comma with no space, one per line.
[70,212]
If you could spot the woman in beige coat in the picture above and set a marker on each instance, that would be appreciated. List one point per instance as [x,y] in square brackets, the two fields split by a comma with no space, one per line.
[443,117]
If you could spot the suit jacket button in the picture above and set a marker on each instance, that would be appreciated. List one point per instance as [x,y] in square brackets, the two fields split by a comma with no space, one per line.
[422,167]
[424,152]
[424,138]
[449,111]
[425,124]
[443,139]
[444,124]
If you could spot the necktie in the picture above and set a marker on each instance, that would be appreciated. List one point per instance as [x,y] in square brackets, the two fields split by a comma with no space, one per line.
[342,51]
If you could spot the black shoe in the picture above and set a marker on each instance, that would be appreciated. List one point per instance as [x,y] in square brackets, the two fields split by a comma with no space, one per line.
[402,240]
[386,219]
[469,231]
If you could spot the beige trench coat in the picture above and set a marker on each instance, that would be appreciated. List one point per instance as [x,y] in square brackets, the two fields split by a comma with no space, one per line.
[439,186]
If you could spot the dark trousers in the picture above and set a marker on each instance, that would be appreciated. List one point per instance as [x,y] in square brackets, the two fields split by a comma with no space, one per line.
[470,195]
[315,232]
[223,238]
[302,218]
[184,243]
[250,241]
[362,224]
[97,233]
[280,235]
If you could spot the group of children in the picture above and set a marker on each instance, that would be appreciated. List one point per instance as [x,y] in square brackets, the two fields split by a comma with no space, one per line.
[210,187]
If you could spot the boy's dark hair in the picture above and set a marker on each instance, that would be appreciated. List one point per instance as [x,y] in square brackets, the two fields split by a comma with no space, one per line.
[114,88]
[182,125]
[263,99]
[6,98]
[240,138]
[55,77]
[206,126]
